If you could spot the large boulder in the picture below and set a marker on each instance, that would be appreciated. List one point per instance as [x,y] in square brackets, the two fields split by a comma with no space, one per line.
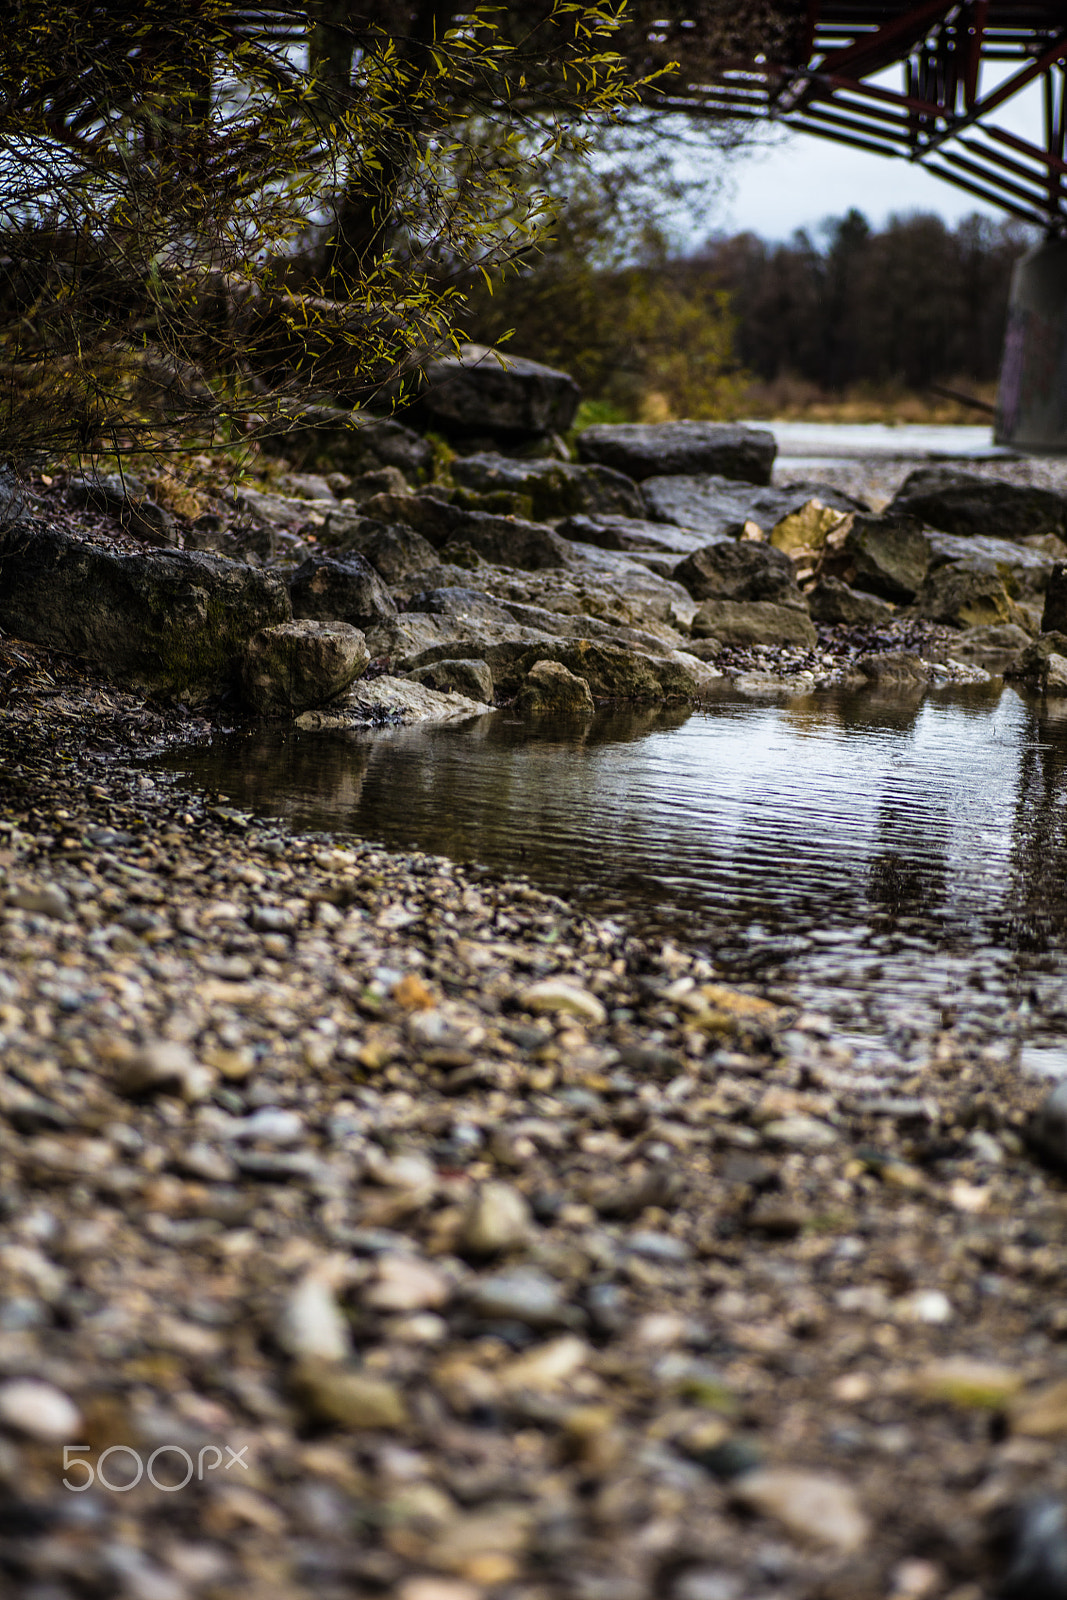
[172,622]
[373,701]
[887,556]
[299,664]
[753,622]
[460,604]
[552,488]
[395,552]
[966,595]
[551,689]
[471,678]
[341,591]
[485,391]
[963,503]
[667,449]
[720,507]
[740,570]
[613,673]
[1042,665]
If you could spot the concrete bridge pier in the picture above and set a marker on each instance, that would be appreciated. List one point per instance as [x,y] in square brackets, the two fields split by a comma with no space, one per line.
[1032,395]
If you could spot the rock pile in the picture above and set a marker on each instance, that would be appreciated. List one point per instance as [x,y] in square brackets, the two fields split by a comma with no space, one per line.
[662,550]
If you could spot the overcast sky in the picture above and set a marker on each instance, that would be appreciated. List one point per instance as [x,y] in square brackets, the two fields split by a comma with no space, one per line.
[801,179]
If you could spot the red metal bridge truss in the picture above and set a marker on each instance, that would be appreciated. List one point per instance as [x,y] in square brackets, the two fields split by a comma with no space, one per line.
[960,63]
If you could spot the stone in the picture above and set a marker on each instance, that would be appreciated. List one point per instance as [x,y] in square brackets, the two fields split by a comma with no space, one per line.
[312,1325]
[963,503]
[325,589]
[497,1219]
[799,1132]
[337,1396]
[405,1283]
[646,450]
[1039,665]
[741,570]
[753,622]
[982,643]
[613,673]
[814,1507]
[1040,1413]
[472,679]
[1025,571]
[172,622]
[545,1369]
[966,595]
[552,995]
[505,541]
[126,501]
[806,528]
[1036,1555]
[897,668]
[523,1295]
[722,507]
[163,1066]
[354,442]
[465,605]
[484,391]
[14,499]
[660,539]
[296,665]
[966,1382]
[832,601]
[291,513]
[550,689]
[1047,1129]
[552,488]
[373,701]
[1054,616]
[41,900]
[38,1410]
[395,552]
[887,556]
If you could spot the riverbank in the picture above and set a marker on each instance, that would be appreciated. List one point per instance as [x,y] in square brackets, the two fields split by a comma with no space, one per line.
[508,1255]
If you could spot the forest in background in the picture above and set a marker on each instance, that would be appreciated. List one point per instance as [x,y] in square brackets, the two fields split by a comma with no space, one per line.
[848,322]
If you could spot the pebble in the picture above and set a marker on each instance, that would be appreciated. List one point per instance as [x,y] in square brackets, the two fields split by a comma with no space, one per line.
[554,995]
[39,1410]
[813,1507]
[1041,1413]
[524,1295]
[498,1218]
[312,1324]
[966,1382]
[164,1066]
[343,1398]
[799,1132]
[405,1283]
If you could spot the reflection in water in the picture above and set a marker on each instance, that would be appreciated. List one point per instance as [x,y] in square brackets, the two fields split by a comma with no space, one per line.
[877,854]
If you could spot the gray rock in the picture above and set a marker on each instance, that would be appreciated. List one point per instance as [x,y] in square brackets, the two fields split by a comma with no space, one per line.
[613,673]
[740,570]
[340,591]
[820,1509]
[389,699]
[646,450]
[897,668]
[887,556]
[395,552]
[505,541]
[470,678]
[1039,664]
[464,605]
[299,664]
[966,595]
[551,689]
[832,601]
[14,499]
[125,499]
[1036,1551]
[632,533]
[497,1218]
[982,643]
[354,442]
[1025,571]
[291,513]
[484,391]
[1054,616]
[753,622]
[722,507]
[553,488]
[172,622]
[963,503]
[524,1295]
[1047,1132]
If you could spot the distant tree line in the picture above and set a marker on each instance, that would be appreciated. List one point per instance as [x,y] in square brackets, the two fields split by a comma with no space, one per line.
[911,304]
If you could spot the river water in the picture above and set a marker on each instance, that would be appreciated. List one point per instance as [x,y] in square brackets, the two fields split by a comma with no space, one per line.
[894,863]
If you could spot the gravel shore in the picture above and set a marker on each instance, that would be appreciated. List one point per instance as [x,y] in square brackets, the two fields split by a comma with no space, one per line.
[455,1244]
